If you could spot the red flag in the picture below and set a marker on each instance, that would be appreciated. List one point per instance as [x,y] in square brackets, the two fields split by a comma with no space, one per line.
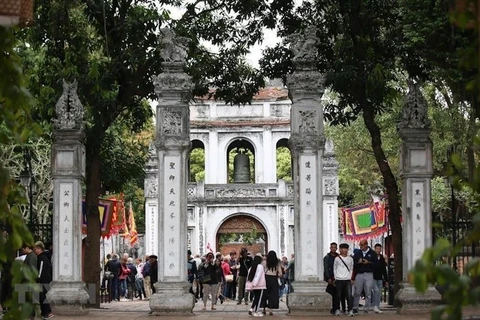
[209,248]
[133,226]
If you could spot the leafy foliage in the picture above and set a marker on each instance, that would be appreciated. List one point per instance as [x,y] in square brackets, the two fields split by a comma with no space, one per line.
[15,127]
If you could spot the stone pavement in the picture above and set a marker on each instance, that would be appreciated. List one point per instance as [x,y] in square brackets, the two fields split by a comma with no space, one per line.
[138,310]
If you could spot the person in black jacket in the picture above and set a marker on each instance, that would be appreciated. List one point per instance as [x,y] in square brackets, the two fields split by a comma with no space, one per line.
[114,266]
[153,271]
[363,272]
[329,277]
[131,278]
[379,277]
[244,263]
[44,267]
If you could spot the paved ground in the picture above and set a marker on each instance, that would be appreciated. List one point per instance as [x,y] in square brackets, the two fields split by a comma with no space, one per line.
[138,310]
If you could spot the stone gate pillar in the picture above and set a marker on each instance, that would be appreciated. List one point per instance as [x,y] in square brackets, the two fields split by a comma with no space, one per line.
[306,87]
[416,170]
[330,195]
[68,294]
[173,88]
[151,202]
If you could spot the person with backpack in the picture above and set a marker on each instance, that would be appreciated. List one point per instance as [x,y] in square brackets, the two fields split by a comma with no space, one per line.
[191,271]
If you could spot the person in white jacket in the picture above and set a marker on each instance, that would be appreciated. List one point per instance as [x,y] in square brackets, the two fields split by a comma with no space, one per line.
[256,275]
[343,270]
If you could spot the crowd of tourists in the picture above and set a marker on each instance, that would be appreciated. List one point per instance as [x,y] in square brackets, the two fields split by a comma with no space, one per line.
[260,280]
[37,257]
[351,276]
[128,279]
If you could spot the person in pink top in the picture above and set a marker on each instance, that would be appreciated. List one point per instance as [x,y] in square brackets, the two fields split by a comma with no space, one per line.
[256,275]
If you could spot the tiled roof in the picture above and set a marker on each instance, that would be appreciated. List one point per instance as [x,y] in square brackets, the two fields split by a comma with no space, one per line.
[265,94]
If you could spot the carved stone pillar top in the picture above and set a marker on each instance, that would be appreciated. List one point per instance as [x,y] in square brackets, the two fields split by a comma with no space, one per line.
[301,142]
[173,84]
[69,109]
[306,81]
[415,109]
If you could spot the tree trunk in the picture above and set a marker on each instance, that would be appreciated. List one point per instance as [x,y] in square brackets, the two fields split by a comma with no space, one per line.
[390,184]
[91,260]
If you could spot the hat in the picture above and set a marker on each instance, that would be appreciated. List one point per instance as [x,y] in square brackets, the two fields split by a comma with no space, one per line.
[153,256]
[39,244]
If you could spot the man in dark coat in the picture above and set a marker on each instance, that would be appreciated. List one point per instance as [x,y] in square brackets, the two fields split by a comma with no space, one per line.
[244,263]
[153,271]
[114,266]
[328,275]
[44,267]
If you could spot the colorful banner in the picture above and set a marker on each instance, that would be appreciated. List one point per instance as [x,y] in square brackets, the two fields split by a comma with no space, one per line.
[105,208]
[364,222]
[133,235]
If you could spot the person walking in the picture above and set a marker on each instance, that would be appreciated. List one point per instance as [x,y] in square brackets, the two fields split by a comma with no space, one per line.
[343,272]
[139,279]
[114,267]
[44,267]
[273,276]
[379,277]
[244,263]
[153,260]
[146,278]
[363,271]
[256,276]
[328,274]
[210,281]
[191,271]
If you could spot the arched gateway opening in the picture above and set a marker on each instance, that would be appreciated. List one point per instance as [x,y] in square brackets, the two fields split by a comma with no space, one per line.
[241,231]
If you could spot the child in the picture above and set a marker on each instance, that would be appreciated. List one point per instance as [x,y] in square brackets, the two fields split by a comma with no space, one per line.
[343,269]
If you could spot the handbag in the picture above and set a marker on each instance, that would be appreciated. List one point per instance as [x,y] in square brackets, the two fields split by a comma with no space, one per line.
[108,275]
[248,286]
[229,278]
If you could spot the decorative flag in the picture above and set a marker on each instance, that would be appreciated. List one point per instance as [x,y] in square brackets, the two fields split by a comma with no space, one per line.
[105,209]
[124,219]
[364,222]
[209,248]
[133,226]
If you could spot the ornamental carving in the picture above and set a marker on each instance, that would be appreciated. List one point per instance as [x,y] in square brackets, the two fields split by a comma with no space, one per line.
[69,109]
[414,109]
[300,142]
[307,121]
[172,123]
[174,48]
[167,83]
[305,81]
[329,148]
[304,46]
[330,187]
[241,224]
[329,164]
[151,188]
[240,193]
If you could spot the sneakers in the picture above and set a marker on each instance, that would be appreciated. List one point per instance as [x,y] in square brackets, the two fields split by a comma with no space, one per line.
[48,317]
[337,312]
[250,312]
[258,314]
[350,314]
[377,310]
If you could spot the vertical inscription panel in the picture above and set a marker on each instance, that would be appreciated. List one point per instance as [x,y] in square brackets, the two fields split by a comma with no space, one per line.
[65,231]
[151,236]
[308,214]
[418,219]
[171,229]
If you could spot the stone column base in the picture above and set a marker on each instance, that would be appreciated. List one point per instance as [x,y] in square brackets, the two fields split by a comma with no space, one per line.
[172,298]
[412,302]
[68,298]
[309,298]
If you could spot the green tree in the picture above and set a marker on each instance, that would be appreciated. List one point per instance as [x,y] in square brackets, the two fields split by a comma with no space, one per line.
[112,48]
[284,164]
[15,128]
[197,165]
[357,47]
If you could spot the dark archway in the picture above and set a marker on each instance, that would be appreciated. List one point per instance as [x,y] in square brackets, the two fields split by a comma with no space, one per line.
[241,231]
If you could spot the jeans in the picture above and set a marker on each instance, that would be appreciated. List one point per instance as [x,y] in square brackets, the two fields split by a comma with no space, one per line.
[377,292]
[343,289]
[139,287]
[123,287]
[114,288]
[363,282]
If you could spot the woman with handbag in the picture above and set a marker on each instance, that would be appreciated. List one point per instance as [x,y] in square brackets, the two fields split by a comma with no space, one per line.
[257,284]
[125,271]
[227,275]
[209,280]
